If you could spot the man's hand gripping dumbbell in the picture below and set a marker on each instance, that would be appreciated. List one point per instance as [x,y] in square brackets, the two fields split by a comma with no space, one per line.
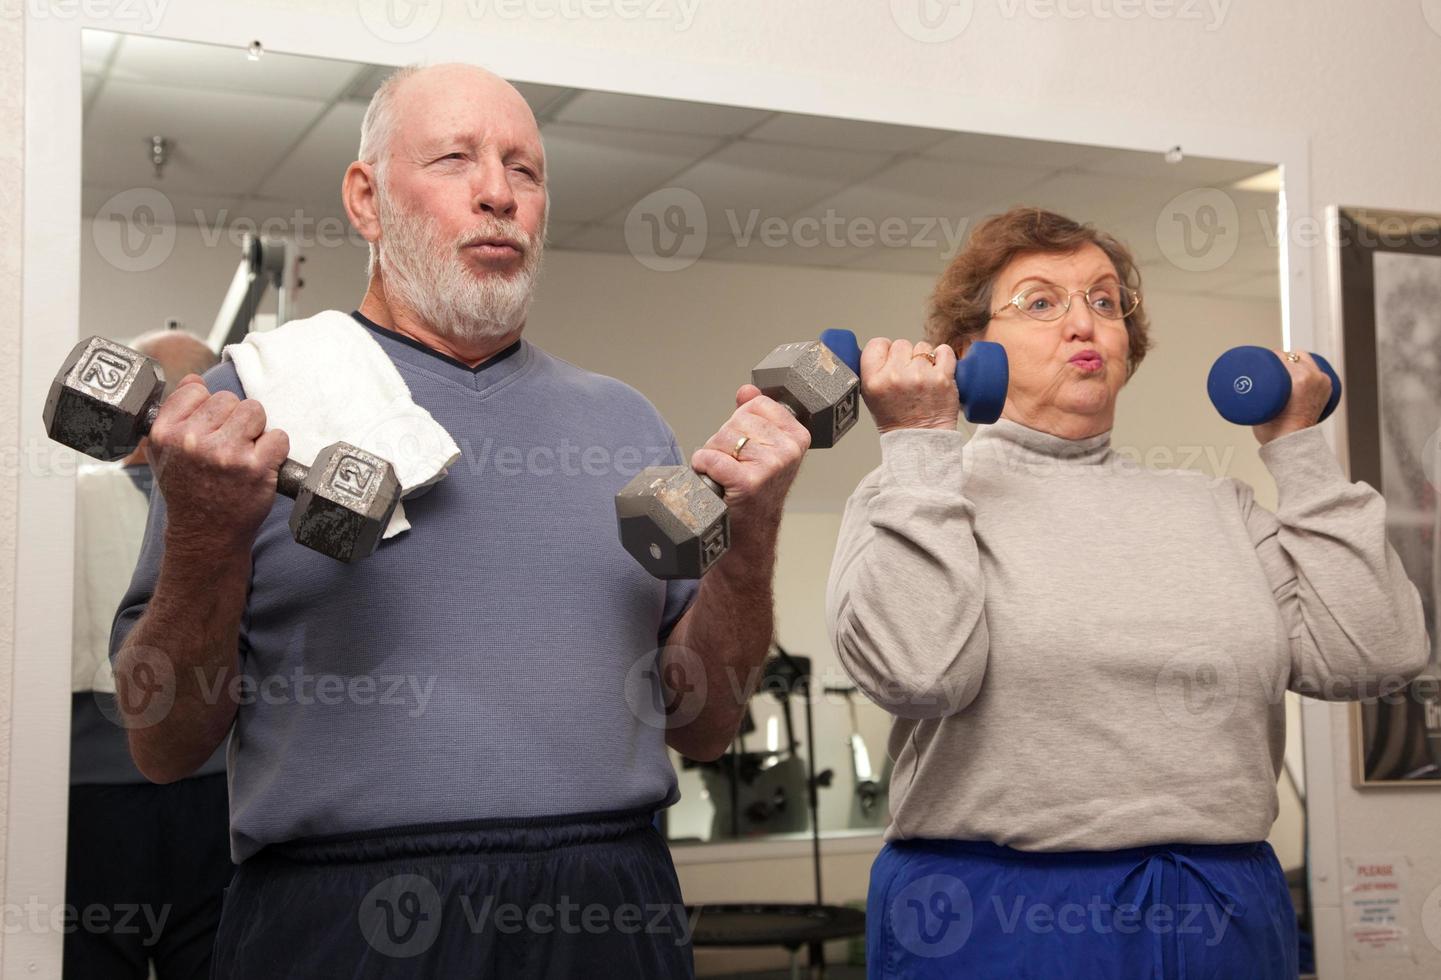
[214,462]
[675,521]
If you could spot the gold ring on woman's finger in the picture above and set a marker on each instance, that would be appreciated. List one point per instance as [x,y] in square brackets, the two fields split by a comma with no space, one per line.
[929,355]
[1293,357]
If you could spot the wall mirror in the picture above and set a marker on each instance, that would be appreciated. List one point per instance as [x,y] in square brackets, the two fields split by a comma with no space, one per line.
[685,241]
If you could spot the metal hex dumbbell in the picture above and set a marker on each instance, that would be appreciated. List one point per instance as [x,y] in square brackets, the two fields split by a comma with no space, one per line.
[106,396]
[674,521]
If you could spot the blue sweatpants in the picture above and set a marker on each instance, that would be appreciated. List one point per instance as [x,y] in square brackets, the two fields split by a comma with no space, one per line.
[1172,912]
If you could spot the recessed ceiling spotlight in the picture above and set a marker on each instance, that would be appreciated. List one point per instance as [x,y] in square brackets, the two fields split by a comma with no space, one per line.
[256,51]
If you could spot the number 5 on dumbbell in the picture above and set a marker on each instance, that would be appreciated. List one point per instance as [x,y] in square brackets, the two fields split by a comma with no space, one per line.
[106,396]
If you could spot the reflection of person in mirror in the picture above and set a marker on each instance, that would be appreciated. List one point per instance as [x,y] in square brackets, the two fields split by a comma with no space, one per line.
[1086,660]
[441,763]
[127,836]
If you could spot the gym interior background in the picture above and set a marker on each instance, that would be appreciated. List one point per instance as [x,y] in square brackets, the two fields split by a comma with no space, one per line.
[794,201]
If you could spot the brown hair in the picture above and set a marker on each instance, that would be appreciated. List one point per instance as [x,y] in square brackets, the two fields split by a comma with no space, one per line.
[964,296]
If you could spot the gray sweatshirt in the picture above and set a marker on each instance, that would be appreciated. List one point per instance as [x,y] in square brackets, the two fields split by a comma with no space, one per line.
[1084,654]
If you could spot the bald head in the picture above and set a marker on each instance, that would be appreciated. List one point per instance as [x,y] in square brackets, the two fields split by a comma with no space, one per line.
[179,354]
[413,100]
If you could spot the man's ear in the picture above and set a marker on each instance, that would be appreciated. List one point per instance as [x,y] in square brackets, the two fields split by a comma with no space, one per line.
[358,193]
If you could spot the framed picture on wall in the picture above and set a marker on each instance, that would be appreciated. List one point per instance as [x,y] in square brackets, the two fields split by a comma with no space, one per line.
[1387,274]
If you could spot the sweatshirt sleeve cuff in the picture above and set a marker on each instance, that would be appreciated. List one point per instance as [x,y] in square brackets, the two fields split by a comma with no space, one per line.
[1301,462]
[922,458]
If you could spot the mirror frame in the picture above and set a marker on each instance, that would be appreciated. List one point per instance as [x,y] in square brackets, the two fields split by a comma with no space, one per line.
[35,845]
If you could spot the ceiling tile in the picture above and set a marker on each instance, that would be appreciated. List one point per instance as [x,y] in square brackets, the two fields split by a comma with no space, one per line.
[310,176]
[211,154]
[664,115]
[931,187]
[844,134]
[1008,151]
[596,172]
[160,61]
[746,181]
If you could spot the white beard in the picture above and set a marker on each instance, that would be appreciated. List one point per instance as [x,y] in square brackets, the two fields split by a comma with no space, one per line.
[427,276]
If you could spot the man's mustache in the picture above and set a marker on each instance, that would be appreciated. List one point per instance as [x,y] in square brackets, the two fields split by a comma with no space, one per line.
[499,234]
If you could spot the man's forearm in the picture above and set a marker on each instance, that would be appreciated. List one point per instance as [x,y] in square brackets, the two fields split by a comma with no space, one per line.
[712,661]
[174,674]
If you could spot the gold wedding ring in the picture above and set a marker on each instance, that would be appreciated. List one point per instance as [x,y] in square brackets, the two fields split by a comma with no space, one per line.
[740,444]
[929,355]
[1293,357]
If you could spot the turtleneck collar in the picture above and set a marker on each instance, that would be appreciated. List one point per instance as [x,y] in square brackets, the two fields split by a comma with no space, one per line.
[1006,435]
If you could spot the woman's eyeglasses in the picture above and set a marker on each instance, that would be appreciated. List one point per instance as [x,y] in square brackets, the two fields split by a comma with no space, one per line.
[1048,301]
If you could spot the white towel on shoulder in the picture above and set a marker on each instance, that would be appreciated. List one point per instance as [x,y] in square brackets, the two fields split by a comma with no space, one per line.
[324,379]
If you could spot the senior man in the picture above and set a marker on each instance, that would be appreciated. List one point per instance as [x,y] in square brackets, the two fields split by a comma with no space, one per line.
[495,817]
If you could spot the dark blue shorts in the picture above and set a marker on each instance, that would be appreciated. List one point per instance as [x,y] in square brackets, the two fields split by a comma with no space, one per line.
[1174,912]
[593,896]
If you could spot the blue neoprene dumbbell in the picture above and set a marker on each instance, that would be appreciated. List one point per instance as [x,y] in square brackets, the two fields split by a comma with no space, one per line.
[982,376]
[1250,385]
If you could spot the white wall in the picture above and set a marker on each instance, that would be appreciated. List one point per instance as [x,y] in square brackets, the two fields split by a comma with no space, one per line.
[12,113]
[1358,80]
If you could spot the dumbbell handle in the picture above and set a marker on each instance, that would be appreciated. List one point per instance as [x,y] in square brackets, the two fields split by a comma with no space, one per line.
[982,376]
[288,482]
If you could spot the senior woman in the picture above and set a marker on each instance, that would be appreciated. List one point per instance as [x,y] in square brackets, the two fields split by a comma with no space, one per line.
[1086,659]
